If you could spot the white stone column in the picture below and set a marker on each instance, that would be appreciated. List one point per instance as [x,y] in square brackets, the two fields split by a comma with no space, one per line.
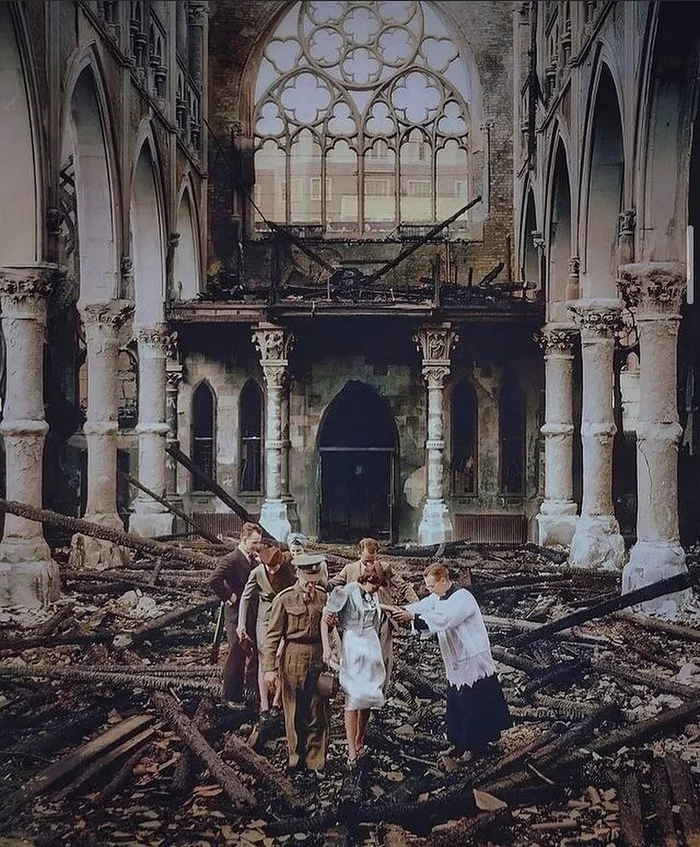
[28,575]
[273,344]
[655,291]
[597,542]
[557,518]
[435,344]
[150,518]
[102,322]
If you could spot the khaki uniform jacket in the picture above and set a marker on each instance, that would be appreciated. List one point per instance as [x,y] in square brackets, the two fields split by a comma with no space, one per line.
[294,620]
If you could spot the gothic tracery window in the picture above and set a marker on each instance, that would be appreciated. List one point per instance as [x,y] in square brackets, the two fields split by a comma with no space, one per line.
[361,119]
[203,432]
[251,438]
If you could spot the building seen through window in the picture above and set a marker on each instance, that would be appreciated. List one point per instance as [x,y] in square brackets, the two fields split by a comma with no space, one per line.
[370,101]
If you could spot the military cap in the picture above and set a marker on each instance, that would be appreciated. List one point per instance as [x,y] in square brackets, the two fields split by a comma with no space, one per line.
[310,564]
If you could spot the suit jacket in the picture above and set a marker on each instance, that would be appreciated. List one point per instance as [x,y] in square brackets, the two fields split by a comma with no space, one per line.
[230,577]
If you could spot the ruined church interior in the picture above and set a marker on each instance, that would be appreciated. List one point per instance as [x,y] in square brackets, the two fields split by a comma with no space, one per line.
[415,270]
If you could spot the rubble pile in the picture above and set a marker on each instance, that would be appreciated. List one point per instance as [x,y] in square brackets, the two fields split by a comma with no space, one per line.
[111,732]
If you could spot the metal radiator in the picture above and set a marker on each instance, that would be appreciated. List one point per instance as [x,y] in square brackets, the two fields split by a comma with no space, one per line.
[491,529]
[219,523]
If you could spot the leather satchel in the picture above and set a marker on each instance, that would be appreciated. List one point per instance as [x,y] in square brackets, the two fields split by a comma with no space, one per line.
[327,684]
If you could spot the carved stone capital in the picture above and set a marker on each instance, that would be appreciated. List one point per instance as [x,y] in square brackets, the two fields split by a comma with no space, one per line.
[435,343]
[627,223]
[574,266]
[26,285]
[557,339]
[173,378]
[654,289]
[273,343]
[111,315]
[435,375]
[158,339]
[196,13]
[275,375]
[598,318]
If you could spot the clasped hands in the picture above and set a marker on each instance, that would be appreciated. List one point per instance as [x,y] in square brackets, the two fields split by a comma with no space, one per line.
[397,613]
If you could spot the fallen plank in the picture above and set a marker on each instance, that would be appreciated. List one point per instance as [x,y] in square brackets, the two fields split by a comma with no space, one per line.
[663,801]
[629,796]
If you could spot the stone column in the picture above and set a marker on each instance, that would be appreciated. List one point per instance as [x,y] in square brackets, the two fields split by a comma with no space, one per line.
[173,378]
[273,343]
[655,291]
[28,575]
[102,322]
[435,344]
[557,518]
[150,518]
[196,13]
[597,542]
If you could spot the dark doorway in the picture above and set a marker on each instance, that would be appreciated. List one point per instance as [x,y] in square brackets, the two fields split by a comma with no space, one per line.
[357,447]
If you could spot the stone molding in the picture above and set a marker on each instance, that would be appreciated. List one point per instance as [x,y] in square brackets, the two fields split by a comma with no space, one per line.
[669,433]
[574,266]
[654,289]
[173,378]
[557,430]
[23,427]
[597,318]
[627,223]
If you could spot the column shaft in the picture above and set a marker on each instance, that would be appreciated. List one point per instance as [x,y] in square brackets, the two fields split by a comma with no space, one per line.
[435,343]
[150,517]
[655,291]
[173,380]
[557,518]
[273,343]
[28,575]
[597,542]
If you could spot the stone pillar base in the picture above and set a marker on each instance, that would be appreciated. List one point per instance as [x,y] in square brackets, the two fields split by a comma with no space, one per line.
[31,584]
[556,529]
[274,517]
[149,525]
[96,554]
[597,543]
[435,525]
[651,561]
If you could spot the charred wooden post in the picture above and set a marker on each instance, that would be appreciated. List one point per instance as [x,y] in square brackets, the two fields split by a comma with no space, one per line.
[203,721]
[72,525]
[53,622]
[663,802]
[629,797]
[224,776]
[684,798]
[250,761]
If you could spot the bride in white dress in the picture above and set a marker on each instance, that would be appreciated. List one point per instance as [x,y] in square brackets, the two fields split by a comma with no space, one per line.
[355,609]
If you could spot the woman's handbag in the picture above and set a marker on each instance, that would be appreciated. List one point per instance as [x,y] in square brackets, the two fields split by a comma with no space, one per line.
[327,684]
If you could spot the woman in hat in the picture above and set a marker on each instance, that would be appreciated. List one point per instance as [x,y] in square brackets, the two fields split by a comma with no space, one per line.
[274,573]
[356,608]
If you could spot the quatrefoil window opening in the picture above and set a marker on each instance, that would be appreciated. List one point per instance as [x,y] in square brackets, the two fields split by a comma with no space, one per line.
[361,118]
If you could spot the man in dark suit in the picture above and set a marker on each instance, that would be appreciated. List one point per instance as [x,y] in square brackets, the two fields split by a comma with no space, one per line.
[227,582]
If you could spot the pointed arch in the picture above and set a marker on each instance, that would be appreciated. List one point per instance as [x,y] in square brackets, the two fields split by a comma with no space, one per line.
[148,229]
[187,264]
[22,196]
[603,188]
[250,428]
[203,435]
[667,131]
[88,147]
[558,239]
[465,438]
[530,260]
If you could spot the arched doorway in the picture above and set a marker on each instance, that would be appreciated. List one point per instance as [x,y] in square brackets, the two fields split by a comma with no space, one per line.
[357,445]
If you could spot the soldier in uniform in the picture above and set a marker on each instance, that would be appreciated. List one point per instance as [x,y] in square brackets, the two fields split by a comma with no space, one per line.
[296,617]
